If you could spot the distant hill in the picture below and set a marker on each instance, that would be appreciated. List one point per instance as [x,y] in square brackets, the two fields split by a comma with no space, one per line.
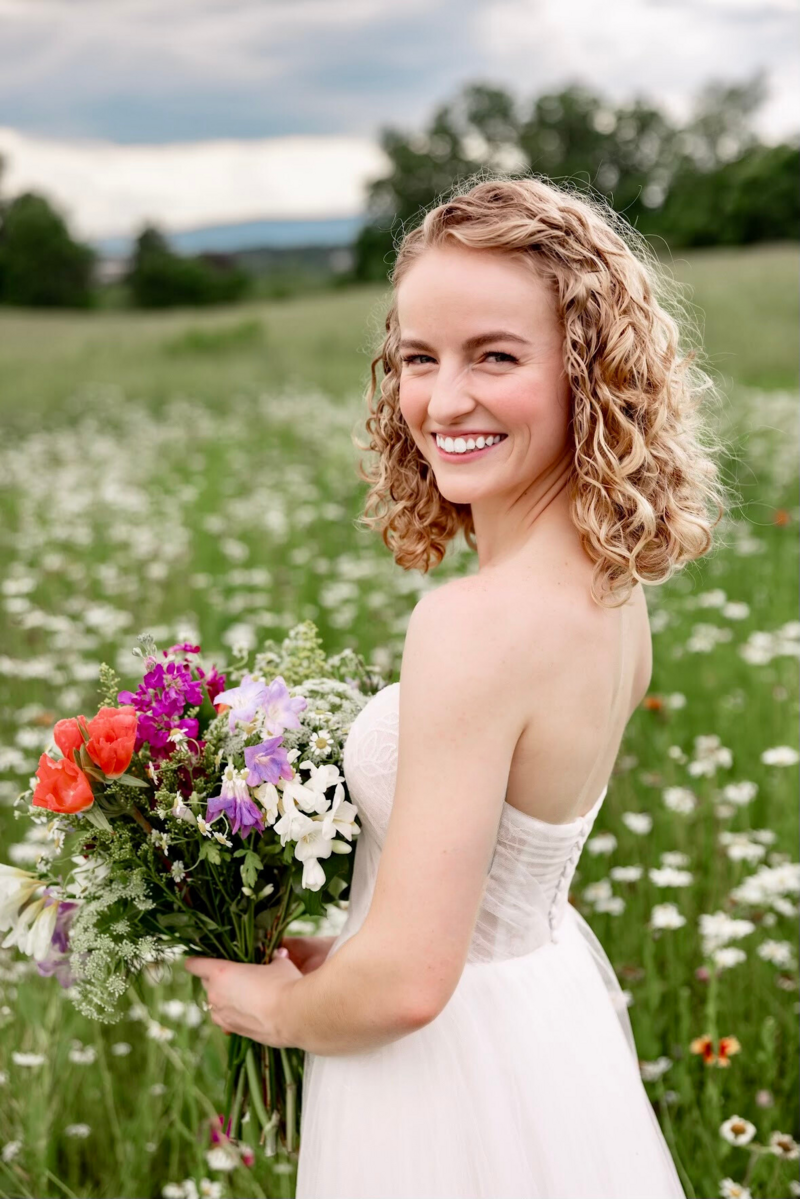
[249,235]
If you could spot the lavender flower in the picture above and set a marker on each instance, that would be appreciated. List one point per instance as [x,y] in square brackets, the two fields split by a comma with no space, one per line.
[236,802]
[244,701]
[267,762]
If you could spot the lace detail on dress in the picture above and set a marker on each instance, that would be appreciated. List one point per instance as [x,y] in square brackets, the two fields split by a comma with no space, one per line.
[527,886]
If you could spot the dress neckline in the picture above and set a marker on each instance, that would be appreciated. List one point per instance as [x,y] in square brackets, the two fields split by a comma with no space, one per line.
[526,817]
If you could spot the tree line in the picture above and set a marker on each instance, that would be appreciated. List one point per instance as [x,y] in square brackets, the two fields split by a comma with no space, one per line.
[707,181]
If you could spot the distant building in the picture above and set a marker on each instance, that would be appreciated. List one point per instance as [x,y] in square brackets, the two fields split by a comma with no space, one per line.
[110,268]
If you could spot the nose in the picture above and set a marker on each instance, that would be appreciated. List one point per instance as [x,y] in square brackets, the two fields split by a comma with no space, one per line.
[450,398]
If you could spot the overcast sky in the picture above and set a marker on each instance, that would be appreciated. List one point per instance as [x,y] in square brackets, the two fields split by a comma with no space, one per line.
[196,112]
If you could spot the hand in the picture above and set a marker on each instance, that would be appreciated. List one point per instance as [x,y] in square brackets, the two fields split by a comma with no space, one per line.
[308,953]
[248,999]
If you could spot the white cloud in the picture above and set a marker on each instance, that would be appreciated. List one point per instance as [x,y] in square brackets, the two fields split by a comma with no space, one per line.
[105,189]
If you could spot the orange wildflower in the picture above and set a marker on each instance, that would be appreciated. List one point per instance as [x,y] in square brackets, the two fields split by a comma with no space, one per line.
[725,1050]
[61,786]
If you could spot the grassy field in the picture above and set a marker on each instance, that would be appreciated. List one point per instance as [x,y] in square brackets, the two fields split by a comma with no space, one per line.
[192,474]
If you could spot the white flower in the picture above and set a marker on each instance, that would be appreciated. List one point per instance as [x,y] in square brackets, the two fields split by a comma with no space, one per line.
[160,840]
[745,851]
[785,1146]
[28,1059]
[222,1157]
[729,1189]
[676,700]
[182,811]
[780,755]
[740,793]
[10,1150]
[614,905]
[711,599]
[173,1009]
[709,754]
[321,742]
[80,1131]
[673,857]
[602,843]
[651,1071]
[638,822]
[205,830]
[737,1131]
[223,840]
[768,884]
[82,1055]
[717,928]
[728,956]
[666,915]
[736,611]
[173,1190]
[626,874]
[178,870]
[778,952]
[598,890]
[209,1189]
[679,799]
[269,797]
[121,1049]
[157,1032]
[676,753]
[27,913]
[341,817]
[668,876]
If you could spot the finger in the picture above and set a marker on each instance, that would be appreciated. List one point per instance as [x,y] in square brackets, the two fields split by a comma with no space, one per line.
[202,967]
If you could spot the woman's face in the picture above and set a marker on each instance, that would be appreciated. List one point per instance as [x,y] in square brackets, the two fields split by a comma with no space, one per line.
[481,348]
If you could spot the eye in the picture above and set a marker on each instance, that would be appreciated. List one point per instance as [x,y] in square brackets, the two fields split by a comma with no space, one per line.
[500,354]
[413,358]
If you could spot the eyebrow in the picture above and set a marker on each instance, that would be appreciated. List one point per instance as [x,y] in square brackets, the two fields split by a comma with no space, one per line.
[472,343]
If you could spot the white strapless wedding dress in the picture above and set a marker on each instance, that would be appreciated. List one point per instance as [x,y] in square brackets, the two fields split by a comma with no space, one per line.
[526,1085]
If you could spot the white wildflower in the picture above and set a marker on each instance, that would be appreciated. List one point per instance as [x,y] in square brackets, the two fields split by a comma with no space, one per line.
[602,843]
[178,870]
[737,1131]
[638,822]
[673,857]
[741,793]
[652,1071]
[626,874]
[222,1157]
[728,956]
[10,1150]
[30,1060]
[780,755]
[79,1131]
[780,953]
[158,1032]
[666,915]
[82,1055]
[717,928]
[668,876]
[679,799]
[729,1189]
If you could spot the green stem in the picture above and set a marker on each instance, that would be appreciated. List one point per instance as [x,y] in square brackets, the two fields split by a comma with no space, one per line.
[291,1100]
[237,1106]
[255,1083]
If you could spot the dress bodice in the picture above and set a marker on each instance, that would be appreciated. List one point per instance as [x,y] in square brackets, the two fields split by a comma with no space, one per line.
[527,886]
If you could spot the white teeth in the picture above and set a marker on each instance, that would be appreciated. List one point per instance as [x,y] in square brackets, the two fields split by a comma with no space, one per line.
[461,445]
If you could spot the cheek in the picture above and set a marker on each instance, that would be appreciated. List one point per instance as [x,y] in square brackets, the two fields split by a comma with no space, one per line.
[412,402]
[538,405]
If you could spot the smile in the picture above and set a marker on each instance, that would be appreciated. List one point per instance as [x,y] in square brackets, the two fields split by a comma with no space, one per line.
[465,455]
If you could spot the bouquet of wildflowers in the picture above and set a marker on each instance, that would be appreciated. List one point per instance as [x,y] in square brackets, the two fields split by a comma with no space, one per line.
[191,815]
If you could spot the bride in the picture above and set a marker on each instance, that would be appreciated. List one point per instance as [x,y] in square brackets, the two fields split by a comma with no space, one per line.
[465,1034]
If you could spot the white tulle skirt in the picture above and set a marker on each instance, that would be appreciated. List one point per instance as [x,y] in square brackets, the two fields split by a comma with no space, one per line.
[526,1086]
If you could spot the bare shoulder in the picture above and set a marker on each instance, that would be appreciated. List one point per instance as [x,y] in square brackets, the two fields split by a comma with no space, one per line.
[475,634]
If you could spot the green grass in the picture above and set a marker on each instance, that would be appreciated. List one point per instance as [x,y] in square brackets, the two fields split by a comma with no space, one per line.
[192,474]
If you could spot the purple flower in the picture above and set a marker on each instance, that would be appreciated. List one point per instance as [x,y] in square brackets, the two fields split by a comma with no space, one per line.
[160,700]
[244,701]
[281,709]
[267,762]
[58,963]
[235,801]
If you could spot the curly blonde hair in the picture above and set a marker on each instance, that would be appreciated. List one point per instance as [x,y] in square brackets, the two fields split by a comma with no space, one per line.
[645,481]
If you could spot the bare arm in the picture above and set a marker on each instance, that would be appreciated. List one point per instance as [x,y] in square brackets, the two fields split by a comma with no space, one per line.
[459,724]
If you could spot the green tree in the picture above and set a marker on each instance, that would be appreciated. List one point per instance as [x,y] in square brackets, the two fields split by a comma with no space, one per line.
[159,278]
[40,264]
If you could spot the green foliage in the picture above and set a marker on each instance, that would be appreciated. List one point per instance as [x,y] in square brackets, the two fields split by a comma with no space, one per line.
[40,264]
[159,278]
[708,182]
